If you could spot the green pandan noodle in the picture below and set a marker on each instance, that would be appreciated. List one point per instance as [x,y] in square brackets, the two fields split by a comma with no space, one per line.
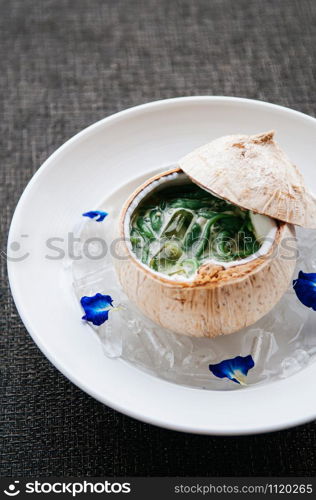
[177,229]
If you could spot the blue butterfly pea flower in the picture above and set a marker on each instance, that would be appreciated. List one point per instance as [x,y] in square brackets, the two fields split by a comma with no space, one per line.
[305,289]
[98,215]
[97,308]
[236,369]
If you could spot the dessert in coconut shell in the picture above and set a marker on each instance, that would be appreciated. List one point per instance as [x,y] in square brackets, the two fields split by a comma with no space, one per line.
[208,247]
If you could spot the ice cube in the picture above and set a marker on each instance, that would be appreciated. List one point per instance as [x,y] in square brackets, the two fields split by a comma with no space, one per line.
[289,366]
[110,334]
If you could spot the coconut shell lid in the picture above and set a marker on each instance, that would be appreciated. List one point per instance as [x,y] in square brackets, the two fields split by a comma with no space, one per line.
[253,172]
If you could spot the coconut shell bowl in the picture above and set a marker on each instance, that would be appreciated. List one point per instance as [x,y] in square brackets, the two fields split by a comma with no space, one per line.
[208,247]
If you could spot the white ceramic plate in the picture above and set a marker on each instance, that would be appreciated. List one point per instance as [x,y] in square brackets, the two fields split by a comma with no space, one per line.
[76,178]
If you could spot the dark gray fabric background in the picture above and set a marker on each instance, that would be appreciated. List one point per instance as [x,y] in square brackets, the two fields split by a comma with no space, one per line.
[66,64]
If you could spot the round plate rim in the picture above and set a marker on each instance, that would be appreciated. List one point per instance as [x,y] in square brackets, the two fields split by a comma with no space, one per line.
[256,429]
